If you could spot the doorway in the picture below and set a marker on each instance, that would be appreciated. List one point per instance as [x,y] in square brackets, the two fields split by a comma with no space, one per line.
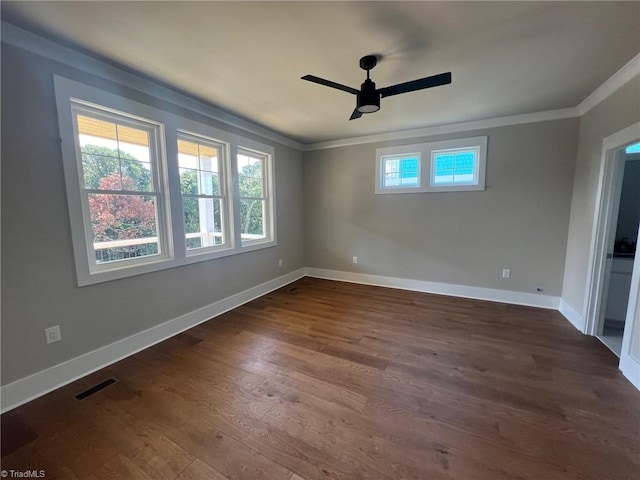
[616,150]
[621,248]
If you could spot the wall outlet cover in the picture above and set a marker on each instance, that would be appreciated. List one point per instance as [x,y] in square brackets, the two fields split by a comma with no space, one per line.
[52,334]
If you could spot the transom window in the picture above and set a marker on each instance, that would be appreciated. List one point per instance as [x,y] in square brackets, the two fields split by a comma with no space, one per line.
[455,166]
[401,170]
[449,165]
[634,148]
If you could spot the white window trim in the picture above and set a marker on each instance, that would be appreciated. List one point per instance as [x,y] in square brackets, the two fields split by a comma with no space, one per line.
[227,189]
[425,152]
[67,90]
[268,185]
[474,143]
[160,180]
[402,150]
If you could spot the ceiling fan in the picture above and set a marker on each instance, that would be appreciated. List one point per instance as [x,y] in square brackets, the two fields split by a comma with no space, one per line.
[368,97]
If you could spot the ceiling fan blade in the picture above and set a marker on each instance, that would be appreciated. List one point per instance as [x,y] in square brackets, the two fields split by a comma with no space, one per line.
[421,83]
[356,114]
[329,83]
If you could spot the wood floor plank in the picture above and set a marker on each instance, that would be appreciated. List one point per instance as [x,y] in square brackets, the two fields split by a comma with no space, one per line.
[331,380]
[119,467]
[198,470]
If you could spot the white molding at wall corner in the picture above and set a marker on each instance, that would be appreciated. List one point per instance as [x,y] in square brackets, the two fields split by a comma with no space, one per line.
[617,80]
[572,314]
[29,388]
[630,371]
[465,291]
[34,43]
[16,36]
[446,129]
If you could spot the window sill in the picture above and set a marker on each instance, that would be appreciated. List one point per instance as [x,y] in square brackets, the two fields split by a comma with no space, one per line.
[86,278]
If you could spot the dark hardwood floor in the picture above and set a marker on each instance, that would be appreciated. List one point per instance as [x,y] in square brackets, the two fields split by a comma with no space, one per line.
[329,380]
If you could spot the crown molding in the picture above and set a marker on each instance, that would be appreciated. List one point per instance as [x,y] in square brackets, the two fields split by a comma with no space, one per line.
[450,128]
[39,45]
[617,80]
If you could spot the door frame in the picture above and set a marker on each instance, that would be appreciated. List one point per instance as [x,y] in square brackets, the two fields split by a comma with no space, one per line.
[610,182]
[630,363]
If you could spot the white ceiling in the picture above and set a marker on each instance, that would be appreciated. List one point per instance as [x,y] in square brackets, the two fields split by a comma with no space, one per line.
[506,58]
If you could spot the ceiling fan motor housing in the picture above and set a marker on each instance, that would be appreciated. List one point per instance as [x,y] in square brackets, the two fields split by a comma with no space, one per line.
[368,98]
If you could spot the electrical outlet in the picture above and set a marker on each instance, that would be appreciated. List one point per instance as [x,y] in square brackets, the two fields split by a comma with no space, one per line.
[506,273]
[280,263]
[52,334]
[355,259]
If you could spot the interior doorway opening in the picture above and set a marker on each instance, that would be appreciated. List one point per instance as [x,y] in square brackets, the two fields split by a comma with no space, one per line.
[621,246]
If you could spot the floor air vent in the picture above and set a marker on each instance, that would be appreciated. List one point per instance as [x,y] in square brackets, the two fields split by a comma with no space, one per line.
[95,388]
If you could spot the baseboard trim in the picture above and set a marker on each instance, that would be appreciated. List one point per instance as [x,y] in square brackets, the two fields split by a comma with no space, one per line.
[29,388]
[572,314]
[631,371]
[465,291]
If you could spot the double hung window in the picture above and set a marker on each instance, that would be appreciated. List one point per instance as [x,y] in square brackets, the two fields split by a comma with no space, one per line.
[252,175]
[122,192]
[204,192]
[149,190]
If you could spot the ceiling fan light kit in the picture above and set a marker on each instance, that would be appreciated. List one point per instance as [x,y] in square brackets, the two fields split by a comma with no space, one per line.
[368,100]
[368,97]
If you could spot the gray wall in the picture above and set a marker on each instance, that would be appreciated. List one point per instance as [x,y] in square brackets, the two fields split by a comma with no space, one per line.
[520,221]
[39,286]
[615,113]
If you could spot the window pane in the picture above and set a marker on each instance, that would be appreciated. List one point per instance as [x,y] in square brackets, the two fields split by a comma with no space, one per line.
[187,148]
[187,161]
[137,175]
[252,219]
[203,222]
[464,167]
[458,167]
[199,168]
[391,172]
[250,170]
[208,158]
[124,226]
[401,171]
[209,183]
[114,155]
[92,131]
[189,181]
[96,168]
[443,168]
[118,140]
[135,142]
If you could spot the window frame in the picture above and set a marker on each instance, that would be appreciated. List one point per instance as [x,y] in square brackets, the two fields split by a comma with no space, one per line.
[400,152]
[266,198]
[226,187]
[171,125]
[156,154]
[426,170]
